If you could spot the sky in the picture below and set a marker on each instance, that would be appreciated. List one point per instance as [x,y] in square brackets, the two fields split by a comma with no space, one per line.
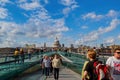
[78,22]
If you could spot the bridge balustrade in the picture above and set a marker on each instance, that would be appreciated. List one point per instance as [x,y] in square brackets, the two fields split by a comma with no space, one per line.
[9,67]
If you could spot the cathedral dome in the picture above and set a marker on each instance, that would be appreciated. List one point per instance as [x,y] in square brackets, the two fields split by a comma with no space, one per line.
[56,43]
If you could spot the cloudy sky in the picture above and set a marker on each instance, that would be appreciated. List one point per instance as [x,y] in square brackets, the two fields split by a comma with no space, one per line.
[89,22]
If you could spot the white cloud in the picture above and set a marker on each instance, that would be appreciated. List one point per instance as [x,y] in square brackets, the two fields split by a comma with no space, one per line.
[9,34]
[118,36]
[109,40]
[68,2]
[3,2]
[74,6]
[112,13]
[114,23]
[10,29]
[9,42]
[84,27]
[30,6]
[41,14]
[46,1]
[66,11]
[91,37]
[22,1]
[46,28]
[92,15]
[94,35]
[70,5]
[3,13]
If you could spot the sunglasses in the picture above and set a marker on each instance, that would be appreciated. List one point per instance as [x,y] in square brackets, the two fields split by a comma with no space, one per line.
[118,52]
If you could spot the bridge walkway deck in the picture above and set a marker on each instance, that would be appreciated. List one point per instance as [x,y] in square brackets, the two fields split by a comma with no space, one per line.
[66,74]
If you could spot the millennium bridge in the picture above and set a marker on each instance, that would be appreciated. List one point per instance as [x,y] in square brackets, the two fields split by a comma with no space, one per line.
[31,70]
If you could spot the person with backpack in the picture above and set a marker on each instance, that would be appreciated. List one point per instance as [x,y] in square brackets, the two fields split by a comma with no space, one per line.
[94,69]
[113,64]
[88,71]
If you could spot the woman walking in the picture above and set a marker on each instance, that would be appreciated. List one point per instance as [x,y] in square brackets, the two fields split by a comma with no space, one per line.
[56,63]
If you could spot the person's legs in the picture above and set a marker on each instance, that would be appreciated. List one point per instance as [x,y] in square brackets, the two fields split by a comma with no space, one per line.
[57,73]
[45,71]
[29,55]
[17,57]
[22,58]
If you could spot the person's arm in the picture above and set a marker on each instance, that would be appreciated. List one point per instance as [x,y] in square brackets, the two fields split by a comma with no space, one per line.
[41,61]
[83,68]
[84,75]
[109,73]
[53,63]
[85,71]
[61,62]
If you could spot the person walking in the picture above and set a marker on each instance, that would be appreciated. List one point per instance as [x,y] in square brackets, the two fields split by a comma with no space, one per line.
[46,63]
[42,64]
[56,63]
[113,64]
[88,71]
[16,55]
[22,55]
[51,67]
[29,53]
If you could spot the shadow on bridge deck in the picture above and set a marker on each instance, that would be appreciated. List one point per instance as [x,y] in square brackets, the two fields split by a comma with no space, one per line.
[67,74]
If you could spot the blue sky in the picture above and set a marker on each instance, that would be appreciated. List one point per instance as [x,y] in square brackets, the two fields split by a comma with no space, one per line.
[89,22]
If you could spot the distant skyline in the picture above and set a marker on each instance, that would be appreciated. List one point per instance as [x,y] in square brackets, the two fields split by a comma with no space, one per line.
[78,22]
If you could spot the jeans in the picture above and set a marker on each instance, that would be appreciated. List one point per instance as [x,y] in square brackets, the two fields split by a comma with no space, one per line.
[47,69]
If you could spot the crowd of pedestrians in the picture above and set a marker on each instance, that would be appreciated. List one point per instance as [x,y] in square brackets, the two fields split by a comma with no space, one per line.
[51,65]
[19,55]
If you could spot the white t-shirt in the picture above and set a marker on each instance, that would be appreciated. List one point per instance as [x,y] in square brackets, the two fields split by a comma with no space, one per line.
[115,67]
[46,62]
